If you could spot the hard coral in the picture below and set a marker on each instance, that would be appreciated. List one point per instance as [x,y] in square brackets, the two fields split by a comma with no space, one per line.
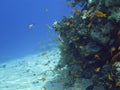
[110,3]
[115,14]
[91,41]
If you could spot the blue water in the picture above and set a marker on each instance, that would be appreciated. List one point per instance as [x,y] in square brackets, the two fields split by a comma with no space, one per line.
[16,38]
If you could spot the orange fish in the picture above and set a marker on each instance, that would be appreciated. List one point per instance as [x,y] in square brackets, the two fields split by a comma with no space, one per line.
[77,12]
[112,50]
[99,13]
[119,48]
[115,56]
[117,83]
[118,32]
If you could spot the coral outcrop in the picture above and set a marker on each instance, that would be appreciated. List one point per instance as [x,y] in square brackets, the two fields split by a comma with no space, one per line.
[90,44]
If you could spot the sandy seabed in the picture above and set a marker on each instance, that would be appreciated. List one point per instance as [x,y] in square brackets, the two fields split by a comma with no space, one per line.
[32,72]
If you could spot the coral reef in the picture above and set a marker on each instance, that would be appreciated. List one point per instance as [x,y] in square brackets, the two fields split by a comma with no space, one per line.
[110,3]
[90,46]
[115,14]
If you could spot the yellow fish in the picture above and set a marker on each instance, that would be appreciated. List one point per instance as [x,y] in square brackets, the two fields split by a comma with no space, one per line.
[109,77]
[97,69]
[115,63]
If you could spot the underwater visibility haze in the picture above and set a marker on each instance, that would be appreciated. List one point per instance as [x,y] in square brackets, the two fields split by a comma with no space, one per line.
[17,39]
[60,45]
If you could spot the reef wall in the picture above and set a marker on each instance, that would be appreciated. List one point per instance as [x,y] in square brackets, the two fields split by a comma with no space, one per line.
[90,43]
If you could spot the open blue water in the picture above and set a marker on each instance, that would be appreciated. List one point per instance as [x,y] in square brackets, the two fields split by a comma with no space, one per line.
[17,39]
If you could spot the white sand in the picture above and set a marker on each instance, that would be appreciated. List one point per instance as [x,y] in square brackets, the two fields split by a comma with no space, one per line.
[31,72]
[35,72]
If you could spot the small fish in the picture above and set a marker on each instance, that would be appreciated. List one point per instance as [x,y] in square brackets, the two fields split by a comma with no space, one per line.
[87,54]
[60,38]
[91,17]
[117,83]
[43,53]
[43,79]
[44,88]
[89,25]
[118,47]
[80,46]
[69,4]
[46,9]
[30,25]
[47,63]
[49,27]
[118,33]
[109,77]
[115,63]
[40,42]
[99,13]
[115,56]
[56,40]
[77,12]
[110,86]
[92,7]
[96,56]
[112,50]
[97,69]
[59,69]
[107,61]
